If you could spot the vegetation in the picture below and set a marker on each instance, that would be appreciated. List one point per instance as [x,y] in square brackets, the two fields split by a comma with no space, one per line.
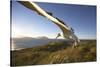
[55,53]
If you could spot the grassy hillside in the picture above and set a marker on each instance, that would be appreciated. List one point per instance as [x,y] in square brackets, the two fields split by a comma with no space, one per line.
[55,53]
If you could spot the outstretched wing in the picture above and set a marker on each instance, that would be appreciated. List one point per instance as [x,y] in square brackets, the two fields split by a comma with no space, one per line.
[34,7]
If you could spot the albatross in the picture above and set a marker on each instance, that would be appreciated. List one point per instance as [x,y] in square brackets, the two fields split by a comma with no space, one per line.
[66,30]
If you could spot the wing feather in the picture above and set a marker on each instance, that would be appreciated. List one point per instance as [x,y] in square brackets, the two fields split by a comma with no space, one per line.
[34,7]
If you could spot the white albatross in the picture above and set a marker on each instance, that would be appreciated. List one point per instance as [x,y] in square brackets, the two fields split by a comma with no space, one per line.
[67,31]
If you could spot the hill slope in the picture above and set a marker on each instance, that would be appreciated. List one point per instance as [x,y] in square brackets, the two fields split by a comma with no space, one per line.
[55,53]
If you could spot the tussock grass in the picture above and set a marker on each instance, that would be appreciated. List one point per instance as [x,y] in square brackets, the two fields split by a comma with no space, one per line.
[55,53]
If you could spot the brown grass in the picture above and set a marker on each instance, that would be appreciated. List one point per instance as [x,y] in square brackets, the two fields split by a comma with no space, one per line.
[55,53]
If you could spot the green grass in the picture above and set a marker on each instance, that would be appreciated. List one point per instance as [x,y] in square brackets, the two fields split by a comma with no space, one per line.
[55,53]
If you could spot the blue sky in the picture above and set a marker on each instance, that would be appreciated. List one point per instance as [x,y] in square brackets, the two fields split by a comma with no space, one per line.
[28,23]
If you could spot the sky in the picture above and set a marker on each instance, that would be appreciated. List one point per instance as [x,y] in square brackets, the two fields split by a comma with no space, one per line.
[82,18]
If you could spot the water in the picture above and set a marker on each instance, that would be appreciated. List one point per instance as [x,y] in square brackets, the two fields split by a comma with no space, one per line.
[27,43]
[21,43]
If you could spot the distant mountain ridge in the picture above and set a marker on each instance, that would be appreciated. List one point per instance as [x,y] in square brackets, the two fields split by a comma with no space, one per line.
[43,37]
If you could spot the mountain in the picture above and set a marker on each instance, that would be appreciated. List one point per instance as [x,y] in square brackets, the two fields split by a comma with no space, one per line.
[42,37]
